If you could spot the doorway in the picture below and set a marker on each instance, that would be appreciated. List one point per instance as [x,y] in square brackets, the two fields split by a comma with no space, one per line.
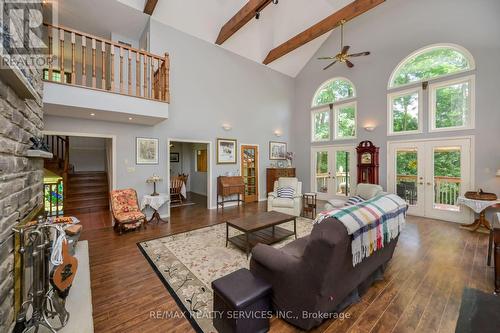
[333,171]
[250,171]
[430,175]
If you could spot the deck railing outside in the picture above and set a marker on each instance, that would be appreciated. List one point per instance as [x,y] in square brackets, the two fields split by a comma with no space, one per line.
[446,189]
[85,60]
[322,182]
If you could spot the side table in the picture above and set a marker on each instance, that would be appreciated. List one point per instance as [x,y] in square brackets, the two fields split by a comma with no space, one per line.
[155,202]
[309,205]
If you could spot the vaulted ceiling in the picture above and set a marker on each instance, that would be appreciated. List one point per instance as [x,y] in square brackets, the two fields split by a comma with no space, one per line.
[205,18]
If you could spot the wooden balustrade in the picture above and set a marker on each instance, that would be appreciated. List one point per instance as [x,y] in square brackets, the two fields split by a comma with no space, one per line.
[446,189]
[145,74]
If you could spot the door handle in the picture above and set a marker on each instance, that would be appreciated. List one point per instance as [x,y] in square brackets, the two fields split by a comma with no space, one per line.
[429,183]
[421,183]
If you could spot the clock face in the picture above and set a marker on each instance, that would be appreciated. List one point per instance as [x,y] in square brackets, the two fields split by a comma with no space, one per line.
[366,158]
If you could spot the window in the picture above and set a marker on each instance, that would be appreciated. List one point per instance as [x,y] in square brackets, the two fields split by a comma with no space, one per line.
[321,125]
[432,62]
[345,121]
[334,93]
[405,112]
[450,104]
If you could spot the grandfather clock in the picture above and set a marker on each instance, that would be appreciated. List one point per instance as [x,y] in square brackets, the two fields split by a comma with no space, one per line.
[367,163]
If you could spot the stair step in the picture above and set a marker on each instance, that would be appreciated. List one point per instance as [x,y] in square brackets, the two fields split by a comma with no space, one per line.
[87,182]
[98,197]
[92,202]
[87,190]
[86,206]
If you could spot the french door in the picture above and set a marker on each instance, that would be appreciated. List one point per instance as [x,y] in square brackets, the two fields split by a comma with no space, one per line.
[430,175]
[333,171]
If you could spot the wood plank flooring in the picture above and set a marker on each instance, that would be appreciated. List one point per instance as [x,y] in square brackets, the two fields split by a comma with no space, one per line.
[421,291]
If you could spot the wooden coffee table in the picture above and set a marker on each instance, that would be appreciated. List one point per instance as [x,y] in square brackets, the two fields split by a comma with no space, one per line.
[260,228]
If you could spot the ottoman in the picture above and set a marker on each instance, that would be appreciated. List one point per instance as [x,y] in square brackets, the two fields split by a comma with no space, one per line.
[242,303]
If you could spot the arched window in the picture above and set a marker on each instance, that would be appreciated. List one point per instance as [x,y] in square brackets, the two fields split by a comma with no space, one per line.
[431,62]
[451,103]
[332,91]
[334,104]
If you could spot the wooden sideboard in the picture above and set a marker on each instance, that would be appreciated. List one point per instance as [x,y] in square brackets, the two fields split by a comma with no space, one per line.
[272,174]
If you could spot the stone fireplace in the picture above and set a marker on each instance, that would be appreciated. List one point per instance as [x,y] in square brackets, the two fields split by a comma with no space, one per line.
[21,177]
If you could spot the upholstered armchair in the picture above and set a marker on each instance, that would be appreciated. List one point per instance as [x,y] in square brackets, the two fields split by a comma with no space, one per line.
[291,206]
[126,212]
[365,191]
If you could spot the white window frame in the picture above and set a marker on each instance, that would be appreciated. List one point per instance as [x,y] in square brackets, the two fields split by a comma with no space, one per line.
[393,95]
[456,47]
[313,113]
[469,119]
[335,110]
[337,78]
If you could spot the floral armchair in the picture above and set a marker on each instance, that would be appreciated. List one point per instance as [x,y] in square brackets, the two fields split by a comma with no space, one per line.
[126,212]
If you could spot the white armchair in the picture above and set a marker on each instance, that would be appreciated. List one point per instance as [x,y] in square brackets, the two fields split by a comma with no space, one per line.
[286,205]
[365,191]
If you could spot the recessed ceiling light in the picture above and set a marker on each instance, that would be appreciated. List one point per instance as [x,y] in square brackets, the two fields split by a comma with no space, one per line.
[130,118]
[92,114]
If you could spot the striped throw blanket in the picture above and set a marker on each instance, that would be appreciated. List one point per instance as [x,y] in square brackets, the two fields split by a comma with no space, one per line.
[372,223]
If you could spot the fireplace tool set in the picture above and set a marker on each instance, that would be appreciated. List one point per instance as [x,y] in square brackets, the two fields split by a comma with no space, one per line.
[48,270]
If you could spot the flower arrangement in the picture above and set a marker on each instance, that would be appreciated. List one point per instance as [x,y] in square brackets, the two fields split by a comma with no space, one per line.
[154,179]
[289,158]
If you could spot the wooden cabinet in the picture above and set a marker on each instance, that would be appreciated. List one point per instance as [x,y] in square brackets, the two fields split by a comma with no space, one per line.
[228,186]
[272,174]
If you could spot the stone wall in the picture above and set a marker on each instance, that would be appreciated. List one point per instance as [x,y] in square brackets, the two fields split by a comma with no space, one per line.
[21,179]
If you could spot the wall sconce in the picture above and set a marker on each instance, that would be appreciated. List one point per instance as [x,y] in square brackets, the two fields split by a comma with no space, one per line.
[226,127]
[369,128]
[278,133]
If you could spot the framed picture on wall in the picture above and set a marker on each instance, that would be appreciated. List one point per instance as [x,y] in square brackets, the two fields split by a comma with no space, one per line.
[277,150]
[226,151]
[146,151]
[174,158]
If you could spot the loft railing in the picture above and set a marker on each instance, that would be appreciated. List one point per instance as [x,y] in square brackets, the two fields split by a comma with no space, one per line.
[84,60]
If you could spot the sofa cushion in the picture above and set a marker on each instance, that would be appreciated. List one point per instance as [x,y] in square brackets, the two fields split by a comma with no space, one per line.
[368,191]
[283,202]
[285,192]
[288,181]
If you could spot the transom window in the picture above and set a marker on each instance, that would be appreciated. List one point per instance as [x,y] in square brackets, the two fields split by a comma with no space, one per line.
[431,62]
[334,111]
[333,91]
[451,102]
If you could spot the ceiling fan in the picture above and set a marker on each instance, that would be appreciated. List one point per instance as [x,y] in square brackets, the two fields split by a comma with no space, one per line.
[343,56]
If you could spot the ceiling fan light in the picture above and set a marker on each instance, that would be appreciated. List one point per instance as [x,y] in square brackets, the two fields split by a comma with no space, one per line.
[275,2]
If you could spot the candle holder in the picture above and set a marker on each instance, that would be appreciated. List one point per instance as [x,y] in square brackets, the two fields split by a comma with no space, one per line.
[153,180]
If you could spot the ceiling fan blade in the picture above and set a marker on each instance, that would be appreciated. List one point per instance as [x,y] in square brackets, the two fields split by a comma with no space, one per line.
[326,58]
[360,54]
[345,49]
[349,64]
[333,63]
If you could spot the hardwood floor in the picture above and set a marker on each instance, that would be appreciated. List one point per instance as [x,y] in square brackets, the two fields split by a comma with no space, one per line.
[421,291]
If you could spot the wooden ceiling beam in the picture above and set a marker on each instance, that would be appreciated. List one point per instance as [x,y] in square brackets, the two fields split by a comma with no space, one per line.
[347,13]
[149,6]
[242,17]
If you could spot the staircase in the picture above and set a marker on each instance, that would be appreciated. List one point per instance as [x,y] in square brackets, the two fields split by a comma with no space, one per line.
[81,190]
[87,190]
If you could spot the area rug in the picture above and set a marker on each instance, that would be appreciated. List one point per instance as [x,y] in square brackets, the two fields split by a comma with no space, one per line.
[478,312]
[187,263]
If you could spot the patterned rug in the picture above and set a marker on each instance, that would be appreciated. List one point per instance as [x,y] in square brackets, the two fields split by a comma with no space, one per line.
[187,263]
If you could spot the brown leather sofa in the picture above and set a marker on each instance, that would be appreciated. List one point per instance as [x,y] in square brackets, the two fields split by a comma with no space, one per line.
[313,277]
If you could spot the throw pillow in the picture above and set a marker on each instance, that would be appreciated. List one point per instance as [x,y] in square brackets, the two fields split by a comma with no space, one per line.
[354,200]
[285,192]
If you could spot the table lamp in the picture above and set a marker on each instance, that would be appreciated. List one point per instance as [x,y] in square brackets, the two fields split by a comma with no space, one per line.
[154,179]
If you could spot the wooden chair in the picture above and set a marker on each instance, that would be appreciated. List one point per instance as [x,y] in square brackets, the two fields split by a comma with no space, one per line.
[175,190]
[126,212]
[183,177]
